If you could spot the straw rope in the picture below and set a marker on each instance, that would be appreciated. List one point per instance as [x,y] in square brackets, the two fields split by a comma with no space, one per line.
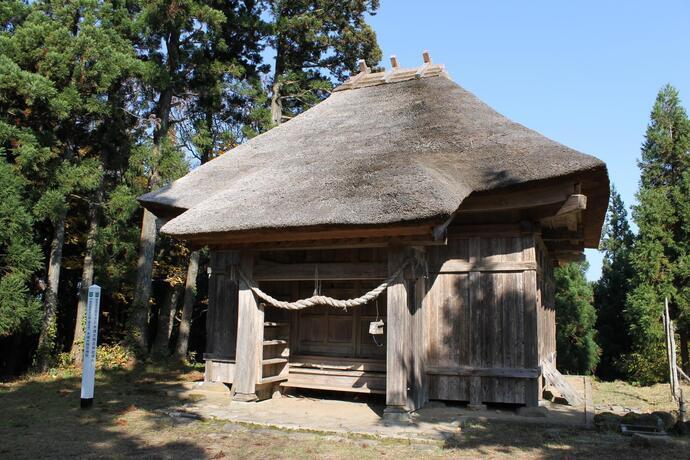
[324,300]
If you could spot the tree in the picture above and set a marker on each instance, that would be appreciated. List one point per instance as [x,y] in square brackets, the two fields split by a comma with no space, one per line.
[612,288]
[111,139]
[20,256]
[226,107]
[316,42]
[172,31]
[78,59]
[661,252]
[577,351]
[21,150]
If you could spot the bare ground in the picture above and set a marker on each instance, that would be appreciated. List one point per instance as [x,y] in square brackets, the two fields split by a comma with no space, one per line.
[41,418]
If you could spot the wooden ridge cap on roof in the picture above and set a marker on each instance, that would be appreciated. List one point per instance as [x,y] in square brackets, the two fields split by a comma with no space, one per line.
[396,74]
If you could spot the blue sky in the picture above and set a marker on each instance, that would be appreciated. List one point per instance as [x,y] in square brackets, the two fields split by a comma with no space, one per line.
[583,73]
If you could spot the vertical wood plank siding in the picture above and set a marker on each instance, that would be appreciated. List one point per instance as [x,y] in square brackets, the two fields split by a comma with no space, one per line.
[221,316]
[480,318]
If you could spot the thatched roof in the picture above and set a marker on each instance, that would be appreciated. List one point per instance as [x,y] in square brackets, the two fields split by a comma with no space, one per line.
[384,152]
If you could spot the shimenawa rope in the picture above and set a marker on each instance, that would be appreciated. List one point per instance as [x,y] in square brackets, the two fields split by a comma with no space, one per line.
[324,300]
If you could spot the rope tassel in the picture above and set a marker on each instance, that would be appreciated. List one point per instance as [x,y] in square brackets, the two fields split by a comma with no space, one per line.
[325,300]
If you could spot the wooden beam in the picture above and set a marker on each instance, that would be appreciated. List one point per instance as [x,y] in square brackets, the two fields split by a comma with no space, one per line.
[271,271]
[326,233]
[517,199]
[560,234]
[469,371]
[249,337]
[564,257]
[558,246]
[340,243]
[396,337]
[441,231]
[463,266]
[574,203]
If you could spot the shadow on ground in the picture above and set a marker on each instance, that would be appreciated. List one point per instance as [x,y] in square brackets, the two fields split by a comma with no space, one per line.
[41,416]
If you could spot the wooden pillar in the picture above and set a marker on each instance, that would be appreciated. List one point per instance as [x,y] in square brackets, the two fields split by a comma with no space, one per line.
[397,333]
[532,386]
[249,337]
[476,318]
[417,341]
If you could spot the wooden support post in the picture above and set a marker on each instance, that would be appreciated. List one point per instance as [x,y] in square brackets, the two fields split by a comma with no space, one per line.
[417,379]
[477,307]
[396,336]
[249,337]
[533,386]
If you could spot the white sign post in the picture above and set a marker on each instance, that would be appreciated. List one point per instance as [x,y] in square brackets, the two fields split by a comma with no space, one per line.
[88,370]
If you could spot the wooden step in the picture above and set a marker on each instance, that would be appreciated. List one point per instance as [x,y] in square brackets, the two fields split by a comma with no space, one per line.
[274,342]
[274,378]
[312,386]
[269,361]
[274,324]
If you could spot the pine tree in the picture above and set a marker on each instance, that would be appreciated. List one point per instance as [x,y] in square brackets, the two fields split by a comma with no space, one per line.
[171,34]
[661,252]
[76,57]
[576,348]
[611,289]
[226,107]
[317,42]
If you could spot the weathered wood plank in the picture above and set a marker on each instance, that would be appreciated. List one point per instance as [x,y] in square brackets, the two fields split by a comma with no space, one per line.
[468,371]
[417,378]
[249,337]
[268,271]
[282,235]
[221,316]
[397,320]
[531,334]
[517,199]
[476,305]
[462,266]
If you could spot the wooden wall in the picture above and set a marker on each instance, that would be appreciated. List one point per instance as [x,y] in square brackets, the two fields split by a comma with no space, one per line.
[221,316]
[487,316]
[481,318]
[545,304]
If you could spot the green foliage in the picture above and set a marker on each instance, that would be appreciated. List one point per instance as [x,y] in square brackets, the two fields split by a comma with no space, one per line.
[103,100]
[20,257]
[661,251]
[611,289]
[577,350]
[317,43]
[108,356]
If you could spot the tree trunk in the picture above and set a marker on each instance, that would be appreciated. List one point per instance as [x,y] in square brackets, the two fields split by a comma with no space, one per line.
[46,340]
[684,355]
[86,282]
[166,315]
[276,100]
[276,104]
[138,329]
[139,315]
[187,307]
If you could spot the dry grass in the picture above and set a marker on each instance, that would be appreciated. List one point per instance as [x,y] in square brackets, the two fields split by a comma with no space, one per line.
[41,419]
[644,399]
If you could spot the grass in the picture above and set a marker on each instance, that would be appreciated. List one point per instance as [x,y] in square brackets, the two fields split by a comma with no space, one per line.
[644,399]
[41,418]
